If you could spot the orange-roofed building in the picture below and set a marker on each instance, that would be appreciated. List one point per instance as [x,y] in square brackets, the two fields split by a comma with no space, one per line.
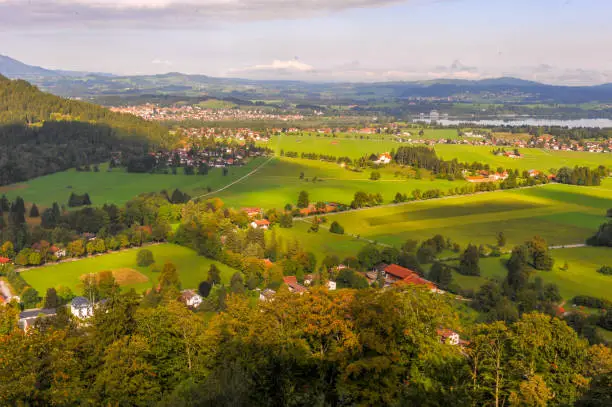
[293,284]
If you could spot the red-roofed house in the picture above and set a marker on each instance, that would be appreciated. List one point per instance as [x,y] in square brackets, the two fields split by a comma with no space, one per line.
[384,159]
[293,285]
[252,212]
[260,224]
[448,336]
[395,274]
[4,260]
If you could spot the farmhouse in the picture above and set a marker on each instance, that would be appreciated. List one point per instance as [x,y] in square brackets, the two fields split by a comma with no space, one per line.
[293,285]
[384,159]
[252,212]
[395,274]
[191,298]
[81,308]
[29,316]
[260,224]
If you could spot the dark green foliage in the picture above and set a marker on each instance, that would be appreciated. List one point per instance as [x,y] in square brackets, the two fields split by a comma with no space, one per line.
[441,275]
[369,256]
[237,283]
[303,200]
[363,199]
[51,299]
[72,133]
[606,270]
[591,302]
[78,200]
[34,211]
[375,176]
[603,237]
[469,261]
[336,228]
[214,275]
[578,176]
[348,278]
[29,298]
[179,197]
[204,288]
[144,258]
[285,220]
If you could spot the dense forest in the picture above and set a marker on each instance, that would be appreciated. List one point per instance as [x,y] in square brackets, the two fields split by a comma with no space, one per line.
[42,133]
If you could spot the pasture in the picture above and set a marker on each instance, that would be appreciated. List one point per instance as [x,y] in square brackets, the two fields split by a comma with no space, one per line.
[118,186]
[279,183]
[192,269]
[561,214]
[354,146]
[581,277]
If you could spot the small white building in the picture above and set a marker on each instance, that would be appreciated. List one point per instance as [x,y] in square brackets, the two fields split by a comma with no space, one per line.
[81,308]
[384,159]
[260,224]
[267,295]
[191,298]
[331,285]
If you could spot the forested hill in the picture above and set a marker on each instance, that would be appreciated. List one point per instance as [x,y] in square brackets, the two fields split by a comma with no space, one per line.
[42,133]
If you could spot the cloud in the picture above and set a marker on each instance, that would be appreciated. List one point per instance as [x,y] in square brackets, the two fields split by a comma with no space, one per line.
[276,67]
[168,13]
[161,62]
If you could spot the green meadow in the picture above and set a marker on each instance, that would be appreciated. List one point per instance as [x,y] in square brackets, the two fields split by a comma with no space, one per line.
[192,269]
[354,146]
[279,183]
[561,214]
[581,277]
[118,186]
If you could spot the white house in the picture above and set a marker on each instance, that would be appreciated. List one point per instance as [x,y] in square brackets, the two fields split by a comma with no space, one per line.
[448,336]
[267,295]
[384,159]
[191,298]
[29,316]
[81,308]
[331,285]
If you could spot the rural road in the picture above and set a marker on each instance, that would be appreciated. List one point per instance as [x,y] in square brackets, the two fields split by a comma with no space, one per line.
[567,246]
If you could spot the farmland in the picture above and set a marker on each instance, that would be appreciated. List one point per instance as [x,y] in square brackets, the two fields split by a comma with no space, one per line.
[581,277]
[561,214]
[192,269]
[353,146]
[117,186]
[279,183]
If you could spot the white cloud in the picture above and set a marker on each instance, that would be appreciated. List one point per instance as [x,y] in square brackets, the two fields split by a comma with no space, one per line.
[169,13]
[292,65]
[161,62]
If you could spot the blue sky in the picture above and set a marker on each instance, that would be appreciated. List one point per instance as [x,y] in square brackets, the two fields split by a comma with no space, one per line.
[555,41]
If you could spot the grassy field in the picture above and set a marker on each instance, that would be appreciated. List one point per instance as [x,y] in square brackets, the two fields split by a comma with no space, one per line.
[581,278]
[561,214]
[279,183]
[192,269]
[322,243]
[118,186]
[353,146]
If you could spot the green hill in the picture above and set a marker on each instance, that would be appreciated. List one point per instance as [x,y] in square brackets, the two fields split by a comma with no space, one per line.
[42,133]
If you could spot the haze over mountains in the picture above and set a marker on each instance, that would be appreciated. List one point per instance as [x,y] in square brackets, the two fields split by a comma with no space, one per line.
[89,85]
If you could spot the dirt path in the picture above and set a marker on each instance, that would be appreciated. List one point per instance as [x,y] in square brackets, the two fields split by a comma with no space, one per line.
[237,181]
[567,246]
[5,291]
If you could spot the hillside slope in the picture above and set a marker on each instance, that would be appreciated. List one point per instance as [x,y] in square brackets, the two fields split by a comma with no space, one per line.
[42,133]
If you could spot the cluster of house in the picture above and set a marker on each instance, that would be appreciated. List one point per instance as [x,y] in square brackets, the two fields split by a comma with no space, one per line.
[82,309]
[217,157]
[551,142]
[155,112]
[221,134]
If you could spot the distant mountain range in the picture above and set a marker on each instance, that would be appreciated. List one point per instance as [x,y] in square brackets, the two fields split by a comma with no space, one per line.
[497,90]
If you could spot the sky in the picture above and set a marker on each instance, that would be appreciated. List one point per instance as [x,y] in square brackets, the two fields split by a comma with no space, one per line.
[552,41]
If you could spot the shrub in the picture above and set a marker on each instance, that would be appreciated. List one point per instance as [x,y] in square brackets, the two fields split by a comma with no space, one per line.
[591,302]
[607,270]
[144,258]
[336,228]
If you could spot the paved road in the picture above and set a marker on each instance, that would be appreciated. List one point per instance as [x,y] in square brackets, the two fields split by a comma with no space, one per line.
[567,246]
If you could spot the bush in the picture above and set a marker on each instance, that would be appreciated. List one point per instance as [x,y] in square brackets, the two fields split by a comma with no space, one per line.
[144,258]
[591,302]
[336,228]
[607,270]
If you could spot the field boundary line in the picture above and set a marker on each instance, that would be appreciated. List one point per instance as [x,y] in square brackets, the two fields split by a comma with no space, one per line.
[391,205]
[236,181]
